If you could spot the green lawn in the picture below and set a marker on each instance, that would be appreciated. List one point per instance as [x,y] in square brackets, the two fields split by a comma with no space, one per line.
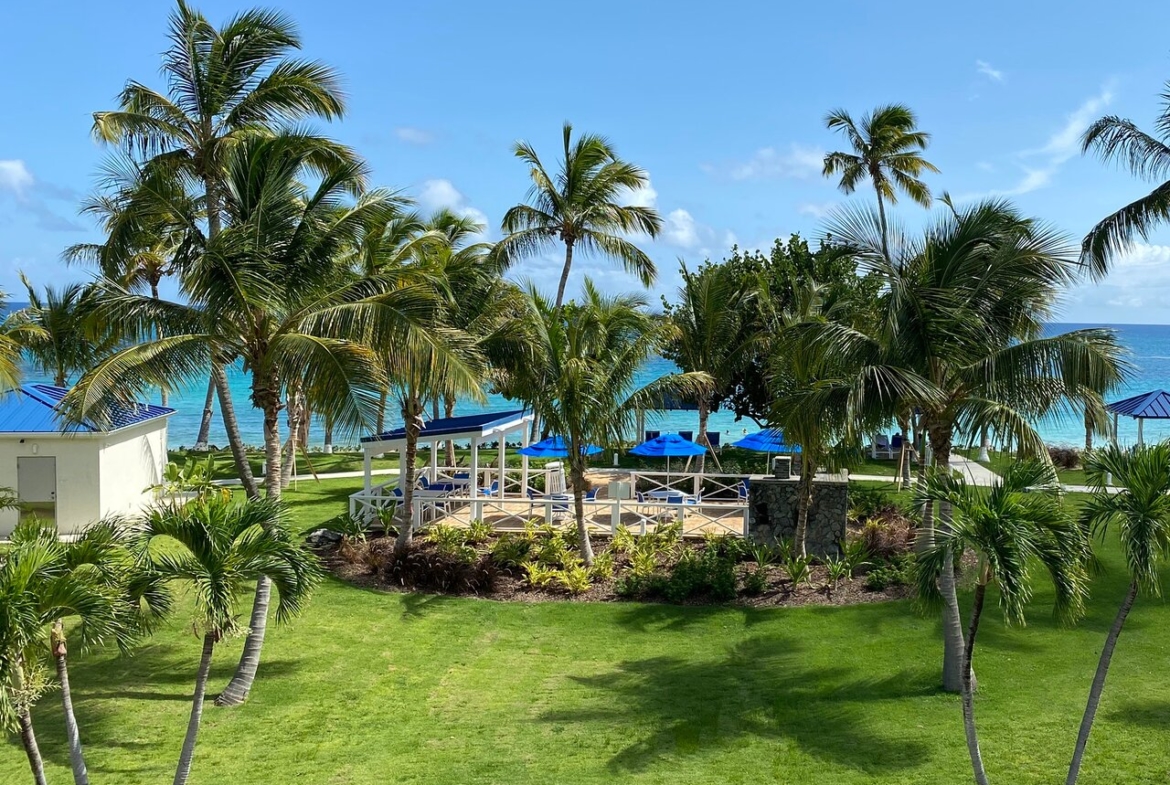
[383,688]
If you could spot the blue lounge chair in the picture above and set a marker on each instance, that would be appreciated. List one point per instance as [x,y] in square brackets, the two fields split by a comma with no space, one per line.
[652,435]
[688,435]
[492,491]
[713,438]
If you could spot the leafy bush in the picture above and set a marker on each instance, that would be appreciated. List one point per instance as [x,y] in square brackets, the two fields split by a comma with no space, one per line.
[869,503]
[799,569]
[511,551]
[574,578]
[761,553]
[623,540]
[1065,457]
[838,570]
[644,562]
[351,527]
[553,551]
[854,555]
[697,573]
[603,566]
[479,532]
[457,569]
[725,544]
[898,571]
[446,538]
[888,538]
[539,576]
[755,580]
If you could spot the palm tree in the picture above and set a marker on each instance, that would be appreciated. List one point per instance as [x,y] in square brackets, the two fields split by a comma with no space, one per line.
[707,330]
[1016,522]
[64,343]
[581,207]
[1137,504]
[219,547]
[964,309]
[585,357]
[1146,155]
[887,150]
[222,85]
[266,289]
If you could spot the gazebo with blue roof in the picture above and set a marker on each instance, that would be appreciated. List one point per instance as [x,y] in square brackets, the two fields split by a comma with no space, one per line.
[78,473]
[1153,405]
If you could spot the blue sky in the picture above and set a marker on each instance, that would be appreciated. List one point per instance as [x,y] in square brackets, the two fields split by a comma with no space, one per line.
[722,103]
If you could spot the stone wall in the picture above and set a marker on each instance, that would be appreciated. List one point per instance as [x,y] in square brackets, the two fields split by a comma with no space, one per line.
[773,509]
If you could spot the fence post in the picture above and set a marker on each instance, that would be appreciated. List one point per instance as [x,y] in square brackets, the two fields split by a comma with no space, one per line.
[615,517]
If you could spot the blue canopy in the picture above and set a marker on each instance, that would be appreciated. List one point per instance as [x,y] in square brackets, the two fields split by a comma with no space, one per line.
[668,445]
[554,447]
[767,440]
[1147,406]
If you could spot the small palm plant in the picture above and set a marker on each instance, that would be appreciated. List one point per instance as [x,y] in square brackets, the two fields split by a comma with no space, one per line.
[220,547]
[1138,507]
[1014,524]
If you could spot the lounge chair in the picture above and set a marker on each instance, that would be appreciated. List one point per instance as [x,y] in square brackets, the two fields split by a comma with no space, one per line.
[491,491]
[688,435]
[652,435]
[742,489]
[713,439]
[881,447]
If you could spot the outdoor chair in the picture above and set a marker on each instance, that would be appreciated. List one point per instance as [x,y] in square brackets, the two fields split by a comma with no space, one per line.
[491,491]
[713,439]
[881,447]
[652,435]
[688,435]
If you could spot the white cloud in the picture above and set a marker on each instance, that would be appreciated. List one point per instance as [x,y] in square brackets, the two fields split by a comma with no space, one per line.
[441,193]
[410,135]
[816,210]
[15,176]
[985,166]
[645,196]
[984,67]
[1066,142]
[1136,290]
[680,230]
[768,162]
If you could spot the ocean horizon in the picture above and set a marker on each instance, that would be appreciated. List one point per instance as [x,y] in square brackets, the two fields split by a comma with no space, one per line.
[1148,345]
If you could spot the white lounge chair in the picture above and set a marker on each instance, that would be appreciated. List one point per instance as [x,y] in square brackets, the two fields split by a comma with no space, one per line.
[881,447]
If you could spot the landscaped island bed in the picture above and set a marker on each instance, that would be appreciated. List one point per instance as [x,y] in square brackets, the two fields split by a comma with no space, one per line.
[375,687]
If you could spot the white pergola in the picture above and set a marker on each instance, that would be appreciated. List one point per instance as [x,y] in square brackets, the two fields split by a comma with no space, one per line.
[474,428]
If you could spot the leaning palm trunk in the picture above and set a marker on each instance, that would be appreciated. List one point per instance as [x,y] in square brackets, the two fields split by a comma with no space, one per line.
[565,273]
[704,415]
[953,643]
[76,756]
[578,477]
[188,754]
[28,738]
[412,422]
[803,504]
[1098,687]
[295,414]
[906,452]
[232,427]
[449,412]
[969,688]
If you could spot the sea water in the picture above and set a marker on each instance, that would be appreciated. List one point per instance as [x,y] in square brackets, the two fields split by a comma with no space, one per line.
[1148,345]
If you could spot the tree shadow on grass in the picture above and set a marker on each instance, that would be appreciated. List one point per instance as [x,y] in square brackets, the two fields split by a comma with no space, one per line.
[1147,714]
[765,687]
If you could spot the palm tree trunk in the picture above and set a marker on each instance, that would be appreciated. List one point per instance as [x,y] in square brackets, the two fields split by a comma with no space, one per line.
[236,692]
[205,421]
[803,504]
[704,416]
[328,437]
[28,738]
[294,412]
[412,422]
[232,427]
[565,273]
[1098,687]
[969,690]
[904,458]
[953,644]
[882,219]
[1088,431]
[578,477]
[72,735]
[449,411]
[188,754]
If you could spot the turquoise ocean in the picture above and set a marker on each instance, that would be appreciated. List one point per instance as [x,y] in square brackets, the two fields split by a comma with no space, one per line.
[1149,347]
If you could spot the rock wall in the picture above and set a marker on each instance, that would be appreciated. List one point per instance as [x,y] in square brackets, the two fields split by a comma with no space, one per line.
[773,509]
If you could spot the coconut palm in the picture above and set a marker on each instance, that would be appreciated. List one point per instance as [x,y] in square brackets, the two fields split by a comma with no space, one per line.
[64,343]
[581,207]
[1015,524]
[581,373]
[219,547]
[707,333]
[266,290]
[964,308]
[1136,503]
[886,149]
[1147,156]
[223,84]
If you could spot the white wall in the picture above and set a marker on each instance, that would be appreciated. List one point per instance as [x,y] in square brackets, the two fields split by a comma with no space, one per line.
[97,474]
[133,460]
[78,486]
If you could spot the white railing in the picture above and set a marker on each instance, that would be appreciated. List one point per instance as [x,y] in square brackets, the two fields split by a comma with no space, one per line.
[721,487]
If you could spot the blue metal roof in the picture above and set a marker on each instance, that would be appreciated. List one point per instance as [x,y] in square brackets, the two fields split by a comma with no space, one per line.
[463,427]
[33,409]
[1148,406]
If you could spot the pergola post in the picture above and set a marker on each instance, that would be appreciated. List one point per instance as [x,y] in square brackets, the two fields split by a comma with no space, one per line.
[503,464]
[525,440]
[474,487]
[434,460]
[367,468]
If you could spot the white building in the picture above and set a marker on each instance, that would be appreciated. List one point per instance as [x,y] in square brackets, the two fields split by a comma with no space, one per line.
[79,474]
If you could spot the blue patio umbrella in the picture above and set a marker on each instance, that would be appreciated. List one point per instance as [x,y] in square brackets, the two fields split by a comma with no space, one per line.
[668,445]
[554,447]
[768,441]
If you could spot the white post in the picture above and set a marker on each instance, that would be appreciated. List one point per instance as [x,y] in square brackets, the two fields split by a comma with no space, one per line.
[435,460]
[615,517]
[525,440]
[367,468]
[503,464]
[473,508]
[641,420]
[1141,422]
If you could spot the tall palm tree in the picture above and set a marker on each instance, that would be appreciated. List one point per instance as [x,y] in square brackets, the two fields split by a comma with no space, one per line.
[223,84]
[1016,522]
[64,343]
[585,357]
[1147,156]
[964,308]
[1137,504]
[219,547]
[581,207]
[266,290]
[707,330]
[886,149]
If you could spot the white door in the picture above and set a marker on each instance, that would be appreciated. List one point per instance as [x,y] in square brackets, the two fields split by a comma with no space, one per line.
[36,480]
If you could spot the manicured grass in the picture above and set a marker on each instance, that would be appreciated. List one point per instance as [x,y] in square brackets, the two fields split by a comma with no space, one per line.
[384,688]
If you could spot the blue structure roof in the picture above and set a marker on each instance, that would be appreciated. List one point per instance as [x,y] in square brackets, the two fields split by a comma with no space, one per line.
[1147,406]
[33,409]
[457,427]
